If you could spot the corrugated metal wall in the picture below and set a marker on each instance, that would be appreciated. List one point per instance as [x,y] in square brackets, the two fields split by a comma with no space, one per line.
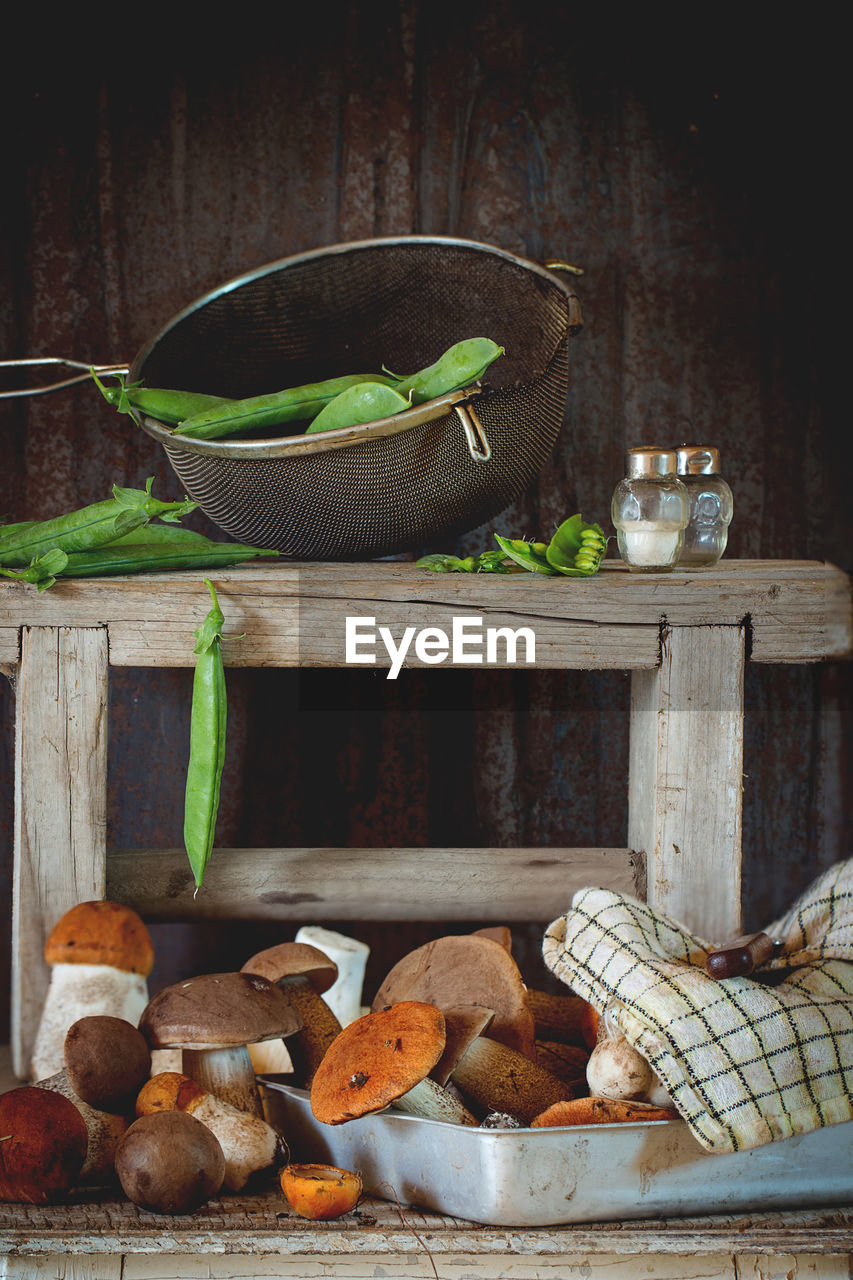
[692,175]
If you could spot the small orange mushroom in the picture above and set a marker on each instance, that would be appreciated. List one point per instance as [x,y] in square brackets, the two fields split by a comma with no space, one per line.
[320,1191]
[599,1111]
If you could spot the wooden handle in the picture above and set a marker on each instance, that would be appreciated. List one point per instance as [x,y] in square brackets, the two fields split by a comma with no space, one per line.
[740,957]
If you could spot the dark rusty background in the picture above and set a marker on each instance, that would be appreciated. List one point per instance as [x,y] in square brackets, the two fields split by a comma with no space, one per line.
[693,173]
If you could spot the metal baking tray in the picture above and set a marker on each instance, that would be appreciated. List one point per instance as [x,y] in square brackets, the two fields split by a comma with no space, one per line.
[546,1177]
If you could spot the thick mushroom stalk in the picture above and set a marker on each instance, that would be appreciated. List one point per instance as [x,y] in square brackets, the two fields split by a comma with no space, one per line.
[383,1059]
[248,1143]
[213,1018]
[100,955]
[104,1131]
[350,956]
[498,1078]
[303,974]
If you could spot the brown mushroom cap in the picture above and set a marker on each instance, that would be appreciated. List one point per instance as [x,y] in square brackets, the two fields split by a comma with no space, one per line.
[377,1059]
[43,1144]
[466,969]
[169,1162]
[107,1060]
[218,1011]
[294,960]
[462,1025]
[101,933]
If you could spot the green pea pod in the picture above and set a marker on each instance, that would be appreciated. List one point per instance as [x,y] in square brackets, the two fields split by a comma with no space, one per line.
[486,562]
[364,402]
[167,406]
[207,741]
[42,571]
[530,555]
[296,404]
[576,548]
[158,557]
[460,366]
[91,526]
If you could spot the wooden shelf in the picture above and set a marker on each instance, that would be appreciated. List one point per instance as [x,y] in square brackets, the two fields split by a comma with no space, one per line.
[685,638]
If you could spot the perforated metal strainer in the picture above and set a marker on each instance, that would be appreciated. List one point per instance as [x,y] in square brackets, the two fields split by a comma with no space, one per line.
[406,482]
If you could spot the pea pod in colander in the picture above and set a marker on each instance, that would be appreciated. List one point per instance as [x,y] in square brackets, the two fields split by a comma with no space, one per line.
[460,366]
[366,402]
[162,403]
[292,405]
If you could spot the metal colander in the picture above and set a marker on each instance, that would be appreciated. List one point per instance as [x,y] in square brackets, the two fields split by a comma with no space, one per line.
[406,482]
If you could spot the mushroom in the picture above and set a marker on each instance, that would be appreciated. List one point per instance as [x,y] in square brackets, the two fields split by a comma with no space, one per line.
[320,1191]
[616,1070]
[213,1018]
[350,956]
[248,1143]
[106,1061]
[43,1144]
[384,1058]
[557,1017]
[104,1131]
[302,973]
[169,1162]
[466,969]
[100,955]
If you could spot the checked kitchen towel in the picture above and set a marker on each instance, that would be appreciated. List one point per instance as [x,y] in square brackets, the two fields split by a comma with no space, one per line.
[746,1060]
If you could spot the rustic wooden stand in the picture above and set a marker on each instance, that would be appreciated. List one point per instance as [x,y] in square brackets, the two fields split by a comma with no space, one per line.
[685,637]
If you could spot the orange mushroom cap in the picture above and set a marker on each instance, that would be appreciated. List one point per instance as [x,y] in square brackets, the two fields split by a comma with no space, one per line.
[101,933]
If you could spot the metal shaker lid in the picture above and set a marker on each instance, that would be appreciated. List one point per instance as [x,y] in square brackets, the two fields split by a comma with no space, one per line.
[698,460]
[649,461]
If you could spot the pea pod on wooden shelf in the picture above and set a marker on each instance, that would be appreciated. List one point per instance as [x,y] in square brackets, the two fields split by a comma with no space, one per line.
[530,555]
[577,548]
[42,570]
[292,405]
[207,741]
[486,562]
[90,526]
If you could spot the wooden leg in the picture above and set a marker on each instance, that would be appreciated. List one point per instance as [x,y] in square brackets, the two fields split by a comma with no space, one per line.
[60,803]
[686,777]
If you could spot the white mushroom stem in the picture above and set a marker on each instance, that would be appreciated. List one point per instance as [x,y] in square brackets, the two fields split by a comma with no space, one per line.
[431,1101]
[80,991]
[105,1131]
[350,955]
[166,1060]
[227,1073]
[248,1143]
[270,1058]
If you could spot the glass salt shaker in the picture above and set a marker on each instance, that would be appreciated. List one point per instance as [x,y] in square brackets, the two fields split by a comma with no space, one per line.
[650,510]
[710,505]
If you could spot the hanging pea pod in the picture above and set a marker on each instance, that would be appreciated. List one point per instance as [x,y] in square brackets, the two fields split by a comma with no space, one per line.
[91,526]
[207,741]
[576,549]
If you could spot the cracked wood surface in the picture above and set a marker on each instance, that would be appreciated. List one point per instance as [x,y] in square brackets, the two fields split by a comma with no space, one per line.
[293,614]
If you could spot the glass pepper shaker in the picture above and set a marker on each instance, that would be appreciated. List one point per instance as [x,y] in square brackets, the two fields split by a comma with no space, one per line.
[711,505]
[649,510]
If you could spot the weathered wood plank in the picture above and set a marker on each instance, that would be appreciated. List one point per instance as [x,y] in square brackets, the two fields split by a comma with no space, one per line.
[287,614]
[374,884]
[686,778]
[263,1226]
[60,802]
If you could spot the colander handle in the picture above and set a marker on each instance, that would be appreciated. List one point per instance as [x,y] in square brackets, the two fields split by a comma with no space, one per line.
[475,437]
[64,382]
